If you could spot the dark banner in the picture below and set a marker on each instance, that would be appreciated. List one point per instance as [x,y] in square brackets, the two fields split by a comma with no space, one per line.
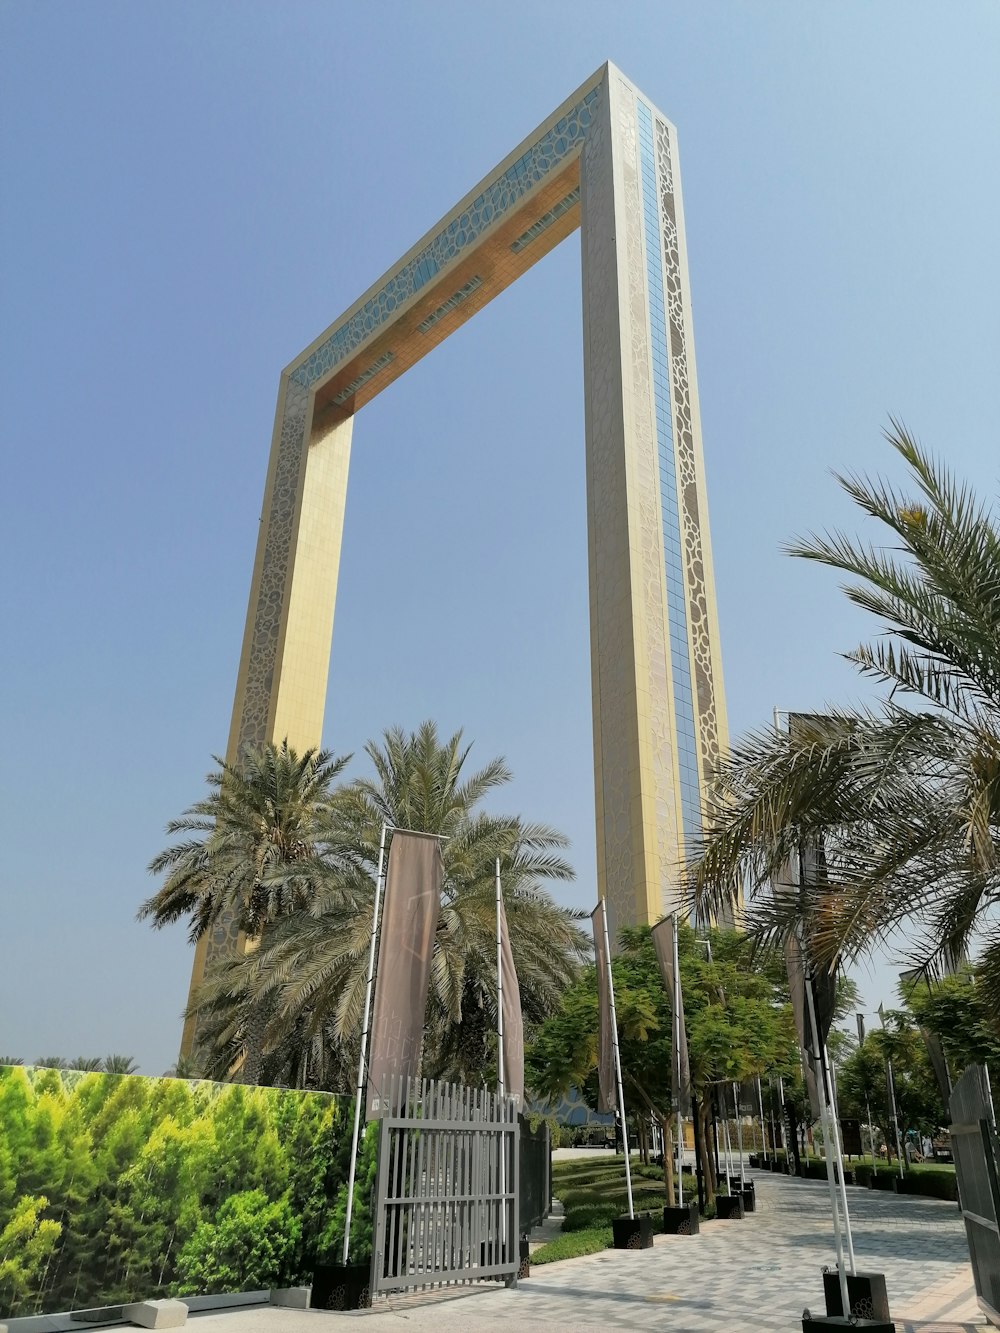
[116,1188]
[513,1023]
[606,1100]
[850,1138]
[663,939]
[405,952]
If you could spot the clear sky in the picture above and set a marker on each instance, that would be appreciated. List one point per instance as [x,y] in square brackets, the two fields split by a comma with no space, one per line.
[193,191]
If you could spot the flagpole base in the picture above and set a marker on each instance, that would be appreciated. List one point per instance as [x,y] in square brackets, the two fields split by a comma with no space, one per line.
[341,1287]
[819,1323]
[682,1221]
[729,1207]
[632,1233]
[865,1291]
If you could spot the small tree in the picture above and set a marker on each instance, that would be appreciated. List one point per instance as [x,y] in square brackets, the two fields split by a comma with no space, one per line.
[26,1245]
[738,1023]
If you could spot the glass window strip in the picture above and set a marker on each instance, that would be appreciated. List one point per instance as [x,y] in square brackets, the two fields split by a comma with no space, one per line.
[690,790]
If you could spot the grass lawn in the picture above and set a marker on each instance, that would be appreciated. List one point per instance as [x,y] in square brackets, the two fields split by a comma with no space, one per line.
[594,1192]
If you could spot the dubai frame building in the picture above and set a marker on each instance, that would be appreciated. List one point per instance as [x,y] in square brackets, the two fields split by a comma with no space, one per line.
[605,161]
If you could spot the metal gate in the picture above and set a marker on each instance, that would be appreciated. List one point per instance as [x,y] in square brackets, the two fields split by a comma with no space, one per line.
[974,1146]
[446,1192]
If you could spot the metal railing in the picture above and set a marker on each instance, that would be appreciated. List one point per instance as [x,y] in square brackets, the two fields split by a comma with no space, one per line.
[974,1146]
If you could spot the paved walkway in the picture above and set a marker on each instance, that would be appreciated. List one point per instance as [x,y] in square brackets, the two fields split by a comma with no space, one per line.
[756,1274]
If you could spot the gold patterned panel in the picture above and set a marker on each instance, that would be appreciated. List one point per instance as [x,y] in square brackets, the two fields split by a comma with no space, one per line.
[699,614]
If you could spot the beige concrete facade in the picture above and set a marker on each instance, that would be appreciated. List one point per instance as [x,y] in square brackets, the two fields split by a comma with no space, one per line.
[605,160]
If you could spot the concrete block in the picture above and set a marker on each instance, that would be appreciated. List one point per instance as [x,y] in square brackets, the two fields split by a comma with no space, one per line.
[156,1314]
[292,1298]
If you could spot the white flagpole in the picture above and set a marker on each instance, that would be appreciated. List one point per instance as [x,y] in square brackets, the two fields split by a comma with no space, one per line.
[827,1140]
[364,1046]
[500,1083]
[739,1129]
[892,1099]
[871,1137]
[781,1103]
[500,1079]
[677,1047]
[729,1146]
[618,1062]
[763,1127]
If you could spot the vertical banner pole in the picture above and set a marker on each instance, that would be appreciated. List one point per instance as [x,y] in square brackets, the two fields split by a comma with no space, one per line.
[763,1128]
[618,1061]
[729,1145]
[500,1079]
[839,1145]
[891,1084]
[677,1048]
[739,1129]
[499,988]
[895,1117]
[827,1138]
[364,1045]
[871,1137]
[781,1103]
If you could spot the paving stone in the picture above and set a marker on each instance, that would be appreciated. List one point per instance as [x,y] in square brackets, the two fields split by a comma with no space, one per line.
[757,1275]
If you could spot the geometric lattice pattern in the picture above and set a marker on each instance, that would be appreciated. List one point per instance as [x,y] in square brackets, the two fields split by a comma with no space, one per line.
[458,235]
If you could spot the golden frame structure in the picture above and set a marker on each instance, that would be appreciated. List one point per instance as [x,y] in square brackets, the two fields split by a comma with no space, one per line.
[606,161]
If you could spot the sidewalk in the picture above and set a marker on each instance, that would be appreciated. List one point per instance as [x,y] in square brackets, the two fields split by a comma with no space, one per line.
[757,1274]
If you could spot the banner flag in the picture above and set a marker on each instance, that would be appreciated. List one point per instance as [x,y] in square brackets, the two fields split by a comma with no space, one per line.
[607,1099]
[513,1022]
[405,952]
[663,939]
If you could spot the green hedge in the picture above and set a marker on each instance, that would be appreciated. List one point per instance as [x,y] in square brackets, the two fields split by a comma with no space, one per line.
[572,1245]
[932,1182]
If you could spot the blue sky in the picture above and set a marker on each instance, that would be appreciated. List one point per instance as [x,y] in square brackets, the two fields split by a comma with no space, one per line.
[193,191]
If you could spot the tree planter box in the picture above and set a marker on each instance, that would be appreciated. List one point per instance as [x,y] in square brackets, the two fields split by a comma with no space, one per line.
[819,1323]
[866,1292]
[884,1181]
[524,1254]
[633,1233]
[755,1161]
[341,1287]
[729,1207]
[749,1198]
[683,1221]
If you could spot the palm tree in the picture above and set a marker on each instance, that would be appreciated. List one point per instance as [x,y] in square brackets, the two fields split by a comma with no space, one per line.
[252,834]
[310,973]
[895,807]
[119,1064]
[254,840]
[91,1064]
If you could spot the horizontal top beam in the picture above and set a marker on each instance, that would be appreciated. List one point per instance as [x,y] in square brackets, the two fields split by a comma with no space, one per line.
[504,225]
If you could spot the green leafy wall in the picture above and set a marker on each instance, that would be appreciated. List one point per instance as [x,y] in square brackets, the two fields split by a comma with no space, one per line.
[120,1187]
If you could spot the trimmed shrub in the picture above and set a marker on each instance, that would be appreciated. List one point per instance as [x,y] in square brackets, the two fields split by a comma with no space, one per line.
[931,1184]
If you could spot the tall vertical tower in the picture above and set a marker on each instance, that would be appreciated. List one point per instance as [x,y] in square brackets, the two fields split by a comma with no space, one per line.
[604,161]
[659,709]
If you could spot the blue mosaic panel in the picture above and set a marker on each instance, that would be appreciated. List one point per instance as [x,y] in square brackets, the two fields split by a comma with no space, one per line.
[544,156]
[687,746]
